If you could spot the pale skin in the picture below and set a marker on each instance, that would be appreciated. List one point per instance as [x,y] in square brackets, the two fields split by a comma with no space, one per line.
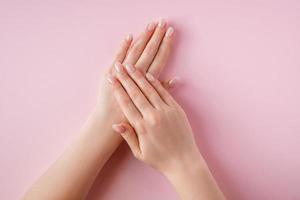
[159,133]
[72,175]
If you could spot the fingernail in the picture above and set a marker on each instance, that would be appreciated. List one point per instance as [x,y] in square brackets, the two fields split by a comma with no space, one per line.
[130,68]
[170,32]
[162,23]
[111,79]
[118,67]
[119,128]
[174,81]
[150,77]
[151,26]
[129,37]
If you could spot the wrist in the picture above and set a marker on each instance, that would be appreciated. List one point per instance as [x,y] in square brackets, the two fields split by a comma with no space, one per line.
[192,179]
[97,133]
[187,165]
[99,125]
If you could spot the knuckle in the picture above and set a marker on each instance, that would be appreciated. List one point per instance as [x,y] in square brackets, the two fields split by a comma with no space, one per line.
[136,47]
[140,126]
[152,93]
[171,111]
[155,119]
[117,88]
[156,82]
[137,74]
[136,94]
[134,50]
[127,102]
[143,104]
[150,49]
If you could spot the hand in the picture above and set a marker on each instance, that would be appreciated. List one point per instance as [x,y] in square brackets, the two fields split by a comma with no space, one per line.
[148,53]
[159,133]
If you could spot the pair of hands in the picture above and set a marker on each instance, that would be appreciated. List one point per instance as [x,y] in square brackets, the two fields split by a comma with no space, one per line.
[158,131]
[149,53]
[153,124]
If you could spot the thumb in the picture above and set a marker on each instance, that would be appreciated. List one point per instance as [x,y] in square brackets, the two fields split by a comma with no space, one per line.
[170,84]
[129,135]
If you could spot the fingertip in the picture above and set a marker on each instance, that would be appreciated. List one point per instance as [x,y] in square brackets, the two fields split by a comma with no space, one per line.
[170,32]
[111,79]
[151,26]
[162,23]
[119,128]
[129,38]
[130,68]
[118,67]
[174,81]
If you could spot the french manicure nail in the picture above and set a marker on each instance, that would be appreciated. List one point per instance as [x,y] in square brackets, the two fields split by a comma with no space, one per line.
[130,68]
[129,37]
[111,79]
[174,81]
[118,67]
[162,23]
[119,128]
[150,77]
[170,32]
[151,26]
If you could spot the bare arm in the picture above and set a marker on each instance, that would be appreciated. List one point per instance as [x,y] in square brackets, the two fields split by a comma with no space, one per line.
[72,175]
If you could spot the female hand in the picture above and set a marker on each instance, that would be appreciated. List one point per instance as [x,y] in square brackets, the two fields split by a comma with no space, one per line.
[159,133]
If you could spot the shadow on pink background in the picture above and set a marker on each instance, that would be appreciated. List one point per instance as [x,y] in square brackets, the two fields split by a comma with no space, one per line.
[240,68]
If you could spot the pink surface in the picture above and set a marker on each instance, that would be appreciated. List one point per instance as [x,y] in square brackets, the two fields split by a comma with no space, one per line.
[240,66]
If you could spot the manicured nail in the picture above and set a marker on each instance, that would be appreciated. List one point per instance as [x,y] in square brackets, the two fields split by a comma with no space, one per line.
[151,26]
[119,67]
[170,32]
[162,23]
[150,77]
[129,37]
[119,128]
[130,68]
[111,79]
[174,81]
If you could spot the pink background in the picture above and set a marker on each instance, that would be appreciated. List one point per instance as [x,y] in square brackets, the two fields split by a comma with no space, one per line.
[240,66]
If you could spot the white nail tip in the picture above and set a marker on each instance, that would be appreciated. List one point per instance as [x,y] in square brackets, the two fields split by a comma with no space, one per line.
[129,37]
[162,23]
[170,32]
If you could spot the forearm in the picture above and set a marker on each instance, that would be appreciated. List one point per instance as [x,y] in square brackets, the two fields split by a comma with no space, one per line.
[193,181]
[72,175]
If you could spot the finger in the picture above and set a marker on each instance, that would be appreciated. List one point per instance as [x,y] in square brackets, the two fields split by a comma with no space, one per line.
[152,47]
[163,53]
[138,46]
[135,94]
[129,135]
[145,86]
[170,84]
[160,89]
[127,106]
[121,53]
